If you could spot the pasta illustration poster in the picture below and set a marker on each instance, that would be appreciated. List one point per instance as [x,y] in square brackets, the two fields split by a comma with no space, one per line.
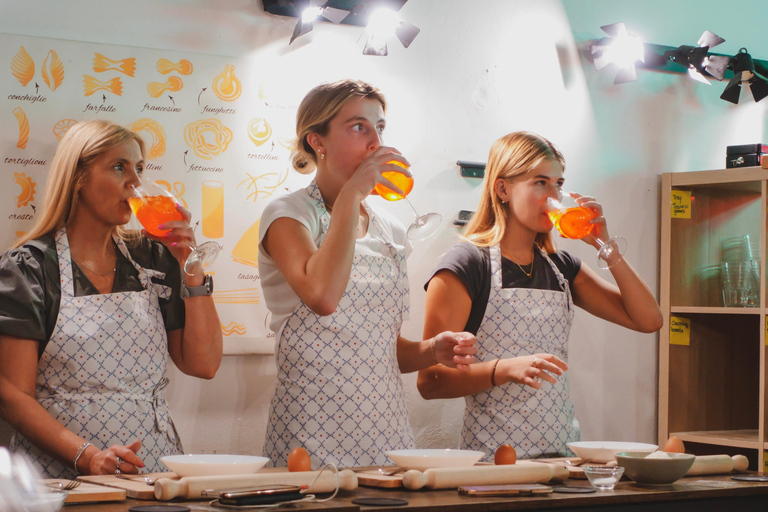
[215,137]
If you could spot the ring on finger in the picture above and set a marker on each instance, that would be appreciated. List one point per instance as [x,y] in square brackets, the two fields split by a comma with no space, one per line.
[119,461]
[535,362]
[117,470]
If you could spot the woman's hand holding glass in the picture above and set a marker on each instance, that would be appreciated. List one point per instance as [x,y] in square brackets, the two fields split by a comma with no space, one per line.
[581,217]
[454,349]
[166,221]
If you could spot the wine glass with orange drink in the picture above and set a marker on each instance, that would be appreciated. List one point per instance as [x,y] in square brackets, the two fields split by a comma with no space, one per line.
[425,225]
[574,221]
[153,206]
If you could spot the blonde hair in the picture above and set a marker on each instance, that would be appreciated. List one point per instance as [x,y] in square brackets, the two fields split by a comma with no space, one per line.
[316,111]
[511,157]
[81,145]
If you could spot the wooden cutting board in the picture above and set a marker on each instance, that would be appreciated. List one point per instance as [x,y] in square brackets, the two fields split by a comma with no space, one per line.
[136,489]
[90,493]
[375,477]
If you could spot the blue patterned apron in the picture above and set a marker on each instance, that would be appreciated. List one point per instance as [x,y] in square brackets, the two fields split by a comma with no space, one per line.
[520,322]
[102,374]
[339,392]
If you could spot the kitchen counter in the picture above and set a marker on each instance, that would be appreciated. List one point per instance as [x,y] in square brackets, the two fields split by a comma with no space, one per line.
[699,493]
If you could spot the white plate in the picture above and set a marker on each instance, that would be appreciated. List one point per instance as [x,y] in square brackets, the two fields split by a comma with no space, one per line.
[213,464]
[603,451]
[425,459]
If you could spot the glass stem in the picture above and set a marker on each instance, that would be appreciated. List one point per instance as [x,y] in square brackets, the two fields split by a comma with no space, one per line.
[412,208]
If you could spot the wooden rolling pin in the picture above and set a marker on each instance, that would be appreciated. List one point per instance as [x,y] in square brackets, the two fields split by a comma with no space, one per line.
[450,478]
[190,487]
[715,464]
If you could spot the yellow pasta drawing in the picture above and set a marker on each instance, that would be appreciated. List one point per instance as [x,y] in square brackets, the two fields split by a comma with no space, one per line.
[52,70]
[246,251]
[22,66]
[177,190]
[241,296]
[259,131]
[173,84]
[207,137]
[183,67]
[92,85]
[21,117]
[61,127]
[27,185]
[267,189]
[102,63]
[226,85]
[233,328]
[155,131]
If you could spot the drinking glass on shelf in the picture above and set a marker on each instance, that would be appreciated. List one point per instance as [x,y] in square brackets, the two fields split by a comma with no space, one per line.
[153,206]
[425,225]
[573,221]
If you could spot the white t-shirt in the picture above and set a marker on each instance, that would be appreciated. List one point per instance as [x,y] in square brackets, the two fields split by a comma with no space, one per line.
[281,300]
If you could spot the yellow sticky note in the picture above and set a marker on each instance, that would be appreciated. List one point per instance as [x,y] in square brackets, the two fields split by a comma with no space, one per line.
[681,204]
[679,331]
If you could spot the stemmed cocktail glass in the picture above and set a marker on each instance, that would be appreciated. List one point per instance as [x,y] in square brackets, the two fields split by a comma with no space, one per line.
[153,206]
[425,225]
[574,221]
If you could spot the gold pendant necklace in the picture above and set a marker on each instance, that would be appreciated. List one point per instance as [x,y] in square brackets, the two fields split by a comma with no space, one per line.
[89,269]
[527,274]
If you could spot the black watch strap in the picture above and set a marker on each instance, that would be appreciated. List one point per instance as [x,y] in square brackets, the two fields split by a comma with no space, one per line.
[204,289]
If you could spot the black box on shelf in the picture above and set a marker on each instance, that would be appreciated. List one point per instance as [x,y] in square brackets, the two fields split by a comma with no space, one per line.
[744,155]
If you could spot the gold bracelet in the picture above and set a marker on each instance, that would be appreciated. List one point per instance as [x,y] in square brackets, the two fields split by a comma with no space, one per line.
[434,359]
[79,453]
[493,372]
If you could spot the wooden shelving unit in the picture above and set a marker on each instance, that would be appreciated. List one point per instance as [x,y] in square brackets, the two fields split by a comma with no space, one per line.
[712,390]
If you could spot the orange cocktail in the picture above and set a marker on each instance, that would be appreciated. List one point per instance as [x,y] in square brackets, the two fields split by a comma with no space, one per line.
[572,222]
[398,179]
[153,211]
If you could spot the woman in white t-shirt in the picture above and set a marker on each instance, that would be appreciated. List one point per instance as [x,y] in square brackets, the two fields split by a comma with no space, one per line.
[334,277]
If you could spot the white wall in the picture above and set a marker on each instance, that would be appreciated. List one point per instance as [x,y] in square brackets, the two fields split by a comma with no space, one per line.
[478,69]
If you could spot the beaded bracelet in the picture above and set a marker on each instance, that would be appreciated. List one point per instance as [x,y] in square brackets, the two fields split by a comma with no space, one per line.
[79,453]
[493,372]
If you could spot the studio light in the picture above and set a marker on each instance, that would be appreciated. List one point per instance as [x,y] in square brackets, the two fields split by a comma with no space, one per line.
[311,13]
[383,23]
[621,49]
[743,68]
[696,60]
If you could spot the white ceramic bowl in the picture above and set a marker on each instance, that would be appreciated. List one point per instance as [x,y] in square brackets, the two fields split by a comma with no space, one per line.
[213,464]
[426,459]
[604,451]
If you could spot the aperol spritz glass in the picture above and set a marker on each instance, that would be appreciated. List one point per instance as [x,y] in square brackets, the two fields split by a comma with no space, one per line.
[153,206]
[575,222]
[425,225]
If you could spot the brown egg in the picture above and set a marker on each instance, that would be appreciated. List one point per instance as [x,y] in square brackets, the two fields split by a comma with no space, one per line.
[674,445]
[298,460]
[505,454]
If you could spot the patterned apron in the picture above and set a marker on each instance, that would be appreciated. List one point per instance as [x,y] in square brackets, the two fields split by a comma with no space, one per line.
[101,374]
[521,322]
[339,392]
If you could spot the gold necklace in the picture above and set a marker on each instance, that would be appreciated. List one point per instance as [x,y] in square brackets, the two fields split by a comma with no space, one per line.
[527,274]
[89,269]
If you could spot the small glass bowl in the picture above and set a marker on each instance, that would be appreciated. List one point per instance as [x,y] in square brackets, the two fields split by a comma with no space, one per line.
[603,478]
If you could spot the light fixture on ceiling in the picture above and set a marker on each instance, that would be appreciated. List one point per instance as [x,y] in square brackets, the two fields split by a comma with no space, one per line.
[382,24]
[311,12]
[621,49]
[743,67]
[696,60]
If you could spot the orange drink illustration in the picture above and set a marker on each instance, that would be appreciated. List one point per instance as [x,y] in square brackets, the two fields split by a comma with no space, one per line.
[572,222]
[400,180]
[52,70]
[91,85]
[226,85]
[183,67]
[153,211]
[21,118]
[102,63]
[22,66]
[213,209]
